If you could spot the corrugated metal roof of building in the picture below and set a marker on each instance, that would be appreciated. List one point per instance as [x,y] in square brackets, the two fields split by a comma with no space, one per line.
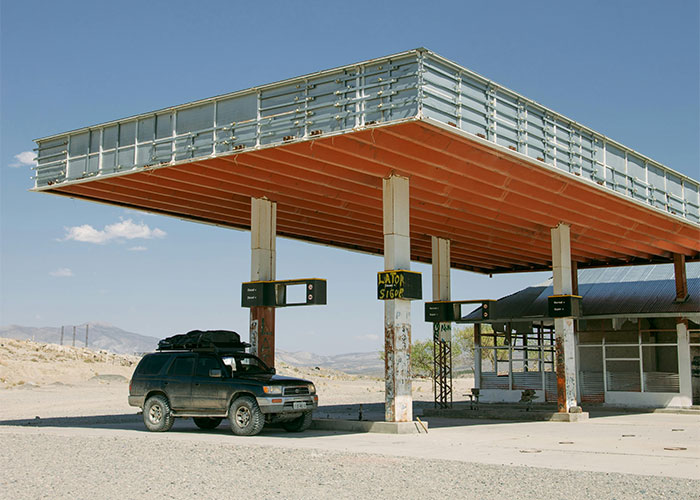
[631,291]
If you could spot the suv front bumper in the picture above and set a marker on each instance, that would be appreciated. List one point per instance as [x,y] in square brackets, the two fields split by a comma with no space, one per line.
[287,404]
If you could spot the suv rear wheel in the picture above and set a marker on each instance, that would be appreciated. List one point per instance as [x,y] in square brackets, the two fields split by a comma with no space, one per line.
[299,424]
[207,422]
[157,415]
[246,417]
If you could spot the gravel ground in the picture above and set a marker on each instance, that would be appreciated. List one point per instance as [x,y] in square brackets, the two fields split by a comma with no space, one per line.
[119,468]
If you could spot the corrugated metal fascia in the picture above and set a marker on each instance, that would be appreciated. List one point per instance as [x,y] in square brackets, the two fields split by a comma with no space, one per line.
[512,93]
[250,90]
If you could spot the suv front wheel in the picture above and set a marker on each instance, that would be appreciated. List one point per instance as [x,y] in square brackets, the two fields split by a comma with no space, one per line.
[246,417]
[157,415]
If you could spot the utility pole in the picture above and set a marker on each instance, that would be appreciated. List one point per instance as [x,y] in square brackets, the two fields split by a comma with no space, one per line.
[86,334]
[73,335]
[61,335]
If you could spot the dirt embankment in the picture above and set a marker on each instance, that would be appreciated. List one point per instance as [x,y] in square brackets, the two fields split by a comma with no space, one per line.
[26,364]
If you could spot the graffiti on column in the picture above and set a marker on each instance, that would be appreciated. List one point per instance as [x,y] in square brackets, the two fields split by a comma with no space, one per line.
[561,375]
[266,341]
[254,336]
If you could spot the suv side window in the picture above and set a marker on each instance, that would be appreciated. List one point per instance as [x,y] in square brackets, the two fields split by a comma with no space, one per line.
[183,365]
[206,363]
[151,364]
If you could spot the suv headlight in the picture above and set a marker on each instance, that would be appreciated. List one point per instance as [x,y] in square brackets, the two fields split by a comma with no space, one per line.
[312,389]
[272,389]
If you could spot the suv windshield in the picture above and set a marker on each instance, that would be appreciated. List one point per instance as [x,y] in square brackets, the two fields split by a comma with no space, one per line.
[246,364]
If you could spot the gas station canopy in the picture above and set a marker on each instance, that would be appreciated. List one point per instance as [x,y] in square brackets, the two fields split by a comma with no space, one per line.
[489,170]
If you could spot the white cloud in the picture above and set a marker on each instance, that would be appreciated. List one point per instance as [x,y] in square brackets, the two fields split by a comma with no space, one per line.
[137,249]
[24,159]
[122,230]
[62,272]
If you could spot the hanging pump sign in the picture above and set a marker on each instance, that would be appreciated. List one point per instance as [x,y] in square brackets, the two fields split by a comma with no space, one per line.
[564,306]
[400,284]
[302,292]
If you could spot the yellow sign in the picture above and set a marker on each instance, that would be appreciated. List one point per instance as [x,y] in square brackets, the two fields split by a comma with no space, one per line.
[398,285]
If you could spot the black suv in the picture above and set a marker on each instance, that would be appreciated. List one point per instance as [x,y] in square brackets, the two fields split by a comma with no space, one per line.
[210,385]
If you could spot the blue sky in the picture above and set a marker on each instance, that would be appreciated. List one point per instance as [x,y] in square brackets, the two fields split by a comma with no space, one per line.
[628,69]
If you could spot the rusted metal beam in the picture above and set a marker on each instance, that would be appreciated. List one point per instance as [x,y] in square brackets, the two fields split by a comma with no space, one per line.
[681,279]
[262,333]
[477,355]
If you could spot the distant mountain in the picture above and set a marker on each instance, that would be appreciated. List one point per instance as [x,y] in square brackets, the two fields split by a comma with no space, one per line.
[114,339]
[100,336]
[359,363]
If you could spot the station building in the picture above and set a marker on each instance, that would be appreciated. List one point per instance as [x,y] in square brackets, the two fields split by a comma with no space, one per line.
[635,345]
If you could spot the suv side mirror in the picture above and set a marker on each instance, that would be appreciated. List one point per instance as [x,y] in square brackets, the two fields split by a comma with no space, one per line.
[215,373]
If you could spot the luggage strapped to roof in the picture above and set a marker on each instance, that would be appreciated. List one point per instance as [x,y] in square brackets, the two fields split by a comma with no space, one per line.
[204,340]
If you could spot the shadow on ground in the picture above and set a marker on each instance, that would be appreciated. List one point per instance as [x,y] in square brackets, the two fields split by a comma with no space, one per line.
[460,415]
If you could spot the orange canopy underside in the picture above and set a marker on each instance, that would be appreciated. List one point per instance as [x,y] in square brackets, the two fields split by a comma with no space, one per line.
[496,208]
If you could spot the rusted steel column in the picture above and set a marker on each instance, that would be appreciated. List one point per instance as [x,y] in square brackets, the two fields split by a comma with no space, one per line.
[477,355]
[564,327]
[263,229]
[574,277]
[681,279]
[397,312]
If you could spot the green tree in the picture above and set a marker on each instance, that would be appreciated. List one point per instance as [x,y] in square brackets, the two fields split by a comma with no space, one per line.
[422,358]
[422,351]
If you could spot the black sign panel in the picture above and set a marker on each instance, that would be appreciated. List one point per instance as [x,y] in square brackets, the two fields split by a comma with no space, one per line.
[487,309]
[445,311]
[257,293]
[284,293]
[441,312]
[564,306]
[399,285]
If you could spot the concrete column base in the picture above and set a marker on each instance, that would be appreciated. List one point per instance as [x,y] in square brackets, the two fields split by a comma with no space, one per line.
[413,427]
[569,417]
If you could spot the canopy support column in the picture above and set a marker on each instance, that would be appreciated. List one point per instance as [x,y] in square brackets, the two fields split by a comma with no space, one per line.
[263,229]
[442,332]
[685,382]
[564,327]
[397,312]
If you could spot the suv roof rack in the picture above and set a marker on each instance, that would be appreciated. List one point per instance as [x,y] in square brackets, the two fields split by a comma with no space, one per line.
[221,351]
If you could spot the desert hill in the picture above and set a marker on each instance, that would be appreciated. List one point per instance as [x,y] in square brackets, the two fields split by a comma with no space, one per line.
[113,339]
[100,336]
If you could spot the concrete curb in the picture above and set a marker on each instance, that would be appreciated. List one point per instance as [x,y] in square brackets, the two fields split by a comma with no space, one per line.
[506,414]
[370,426]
